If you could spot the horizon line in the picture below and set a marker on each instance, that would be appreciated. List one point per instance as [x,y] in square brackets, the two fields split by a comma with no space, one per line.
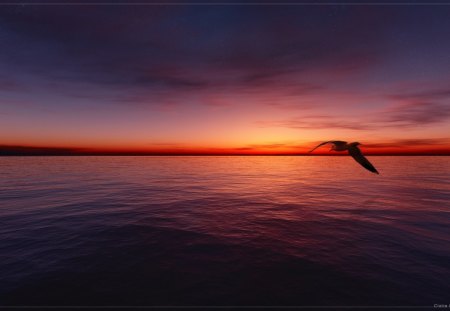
[21,150]
[226,155]
[165,154]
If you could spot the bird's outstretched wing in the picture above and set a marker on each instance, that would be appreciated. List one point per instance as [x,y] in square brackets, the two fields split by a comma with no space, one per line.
[336,142]
[358,156]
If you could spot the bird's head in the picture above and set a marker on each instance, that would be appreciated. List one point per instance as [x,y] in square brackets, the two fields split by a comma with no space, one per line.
[356,143]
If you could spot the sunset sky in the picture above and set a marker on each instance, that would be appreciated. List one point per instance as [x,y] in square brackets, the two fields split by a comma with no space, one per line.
[225,78]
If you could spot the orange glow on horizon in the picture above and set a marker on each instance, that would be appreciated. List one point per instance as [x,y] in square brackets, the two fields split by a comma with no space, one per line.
[273,149]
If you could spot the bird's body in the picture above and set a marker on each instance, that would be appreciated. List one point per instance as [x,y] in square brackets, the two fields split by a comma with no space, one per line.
[353,150]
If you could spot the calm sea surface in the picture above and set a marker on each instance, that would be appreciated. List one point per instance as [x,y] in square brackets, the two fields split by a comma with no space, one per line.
[224,231]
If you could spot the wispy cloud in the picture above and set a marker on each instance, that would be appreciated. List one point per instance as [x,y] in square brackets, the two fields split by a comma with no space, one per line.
[423,95]
[404,111]
[317,122]
[416,114]
[410,143]
[263,146]
[418,107]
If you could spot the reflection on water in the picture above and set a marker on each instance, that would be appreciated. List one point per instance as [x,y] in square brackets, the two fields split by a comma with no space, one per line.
[224,231]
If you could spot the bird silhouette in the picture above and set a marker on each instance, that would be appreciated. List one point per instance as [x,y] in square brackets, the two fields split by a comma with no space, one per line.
[353,150]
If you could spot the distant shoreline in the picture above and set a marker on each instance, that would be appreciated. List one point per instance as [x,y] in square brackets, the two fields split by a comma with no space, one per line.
[75,151]
[23,150]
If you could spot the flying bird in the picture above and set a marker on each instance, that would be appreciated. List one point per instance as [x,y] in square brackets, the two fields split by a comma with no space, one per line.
[353,150]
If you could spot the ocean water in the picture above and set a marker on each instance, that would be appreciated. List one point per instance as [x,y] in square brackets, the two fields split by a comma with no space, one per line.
[224,231]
